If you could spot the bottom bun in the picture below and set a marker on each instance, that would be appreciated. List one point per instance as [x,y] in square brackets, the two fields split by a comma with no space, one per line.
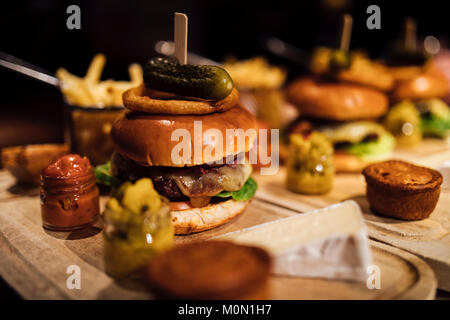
[344,162]
[201,219]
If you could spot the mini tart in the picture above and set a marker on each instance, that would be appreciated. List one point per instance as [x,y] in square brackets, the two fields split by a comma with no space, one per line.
[402,190]
[157,102]
[210,270]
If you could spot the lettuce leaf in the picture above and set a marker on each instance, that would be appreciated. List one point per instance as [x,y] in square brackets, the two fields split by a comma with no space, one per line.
[104,176]
[247,191]
[435,127]
[383,145]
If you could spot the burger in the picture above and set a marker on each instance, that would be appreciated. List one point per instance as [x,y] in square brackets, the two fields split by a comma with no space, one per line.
[426,91]
[183,143]
[418,83]
[346,114]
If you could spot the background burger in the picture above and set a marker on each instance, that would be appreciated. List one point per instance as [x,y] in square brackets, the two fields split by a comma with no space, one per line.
[424,86]
[345,113]
[420,84]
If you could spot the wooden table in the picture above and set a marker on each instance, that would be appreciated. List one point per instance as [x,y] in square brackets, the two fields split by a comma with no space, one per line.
[34,261]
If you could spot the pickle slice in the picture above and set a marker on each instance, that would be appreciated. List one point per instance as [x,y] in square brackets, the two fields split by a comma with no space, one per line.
[200,81]
[141,197]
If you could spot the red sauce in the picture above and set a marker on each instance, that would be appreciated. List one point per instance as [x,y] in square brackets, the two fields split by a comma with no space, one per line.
[69,195]
[68,166]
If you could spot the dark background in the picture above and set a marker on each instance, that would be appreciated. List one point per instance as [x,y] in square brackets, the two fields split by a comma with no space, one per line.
[126,31]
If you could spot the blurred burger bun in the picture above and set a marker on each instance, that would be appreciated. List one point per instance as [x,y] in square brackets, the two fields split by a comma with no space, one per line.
[422,86]
[336,101]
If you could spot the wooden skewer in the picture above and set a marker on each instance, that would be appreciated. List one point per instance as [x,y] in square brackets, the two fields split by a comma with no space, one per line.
[410,33]
[346,33]
[180,38]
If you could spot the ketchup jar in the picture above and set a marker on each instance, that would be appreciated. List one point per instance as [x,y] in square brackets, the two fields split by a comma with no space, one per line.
[69,194]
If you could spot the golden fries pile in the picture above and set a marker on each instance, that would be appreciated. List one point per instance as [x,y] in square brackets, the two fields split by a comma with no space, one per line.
[255,73]
[90,91]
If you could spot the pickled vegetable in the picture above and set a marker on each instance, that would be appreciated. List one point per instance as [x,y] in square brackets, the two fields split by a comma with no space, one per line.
[403,121]
[326,61]
[310,167]
[137,227]
[200,81]
[339,60]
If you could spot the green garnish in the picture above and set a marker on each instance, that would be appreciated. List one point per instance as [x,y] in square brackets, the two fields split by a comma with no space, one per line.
[434,118]
[247,191]
[383,145]
[435,127]
[104,176]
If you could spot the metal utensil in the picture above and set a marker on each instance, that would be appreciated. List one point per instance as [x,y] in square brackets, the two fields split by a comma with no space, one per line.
[15,64]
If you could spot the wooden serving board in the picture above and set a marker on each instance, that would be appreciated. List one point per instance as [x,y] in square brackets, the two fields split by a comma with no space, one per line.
[429,238]
[427,148]
[34,261]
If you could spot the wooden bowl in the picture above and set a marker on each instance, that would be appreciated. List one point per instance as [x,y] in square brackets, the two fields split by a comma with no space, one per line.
[25,163]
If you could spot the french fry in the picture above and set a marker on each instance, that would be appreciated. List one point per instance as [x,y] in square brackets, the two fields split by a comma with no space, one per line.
[95,69]
[103,94]
[90,91]
[135,72]
[117,88]
[74,88]
[255,73]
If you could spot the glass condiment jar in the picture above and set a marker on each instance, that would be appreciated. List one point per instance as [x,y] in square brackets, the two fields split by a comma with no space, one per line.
[403,121]
[310,167]
[137,227]
[69,194]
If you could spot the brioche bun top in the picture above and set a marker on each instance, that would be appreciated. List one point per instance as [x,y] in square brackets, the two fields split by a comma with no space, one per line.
[152,140]
[336,101]
[422,86]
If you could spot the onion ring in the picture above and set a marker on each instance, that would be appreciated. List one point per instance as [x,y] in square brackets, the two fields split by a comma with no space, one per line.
[151,101]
